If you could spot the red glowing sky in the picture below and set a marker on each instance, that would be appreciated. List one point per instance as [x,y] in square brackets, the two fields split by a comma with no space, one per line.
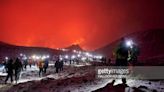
[90,23]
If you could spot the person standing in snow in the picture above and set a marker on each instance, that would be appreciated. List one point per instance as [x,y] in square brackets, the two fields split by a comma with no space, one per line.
[57,65]
[133,54]
[70,61]
[40,65]
[46,65]
[122,54]
[17,67]
[9,67]
[25,64]
[61,64]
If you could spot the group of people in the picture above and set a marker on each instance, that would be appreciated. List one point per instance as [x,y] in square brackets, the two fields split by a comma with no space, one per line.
[123,54]
[27,62]
[43,65]
[59,65]
[13,67]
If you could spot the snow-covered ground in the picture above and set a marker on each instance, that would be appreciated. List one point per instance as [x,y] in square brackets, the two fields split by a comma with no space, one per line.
[91,86]
[2,71]
[24,75]
[31,74]
[157,85]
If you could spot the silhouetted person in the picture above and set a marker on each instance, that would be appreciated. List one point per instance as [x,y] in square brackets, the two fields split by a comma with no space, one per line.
[121,87]
[30,63]
[57,65]
[9,67]
[70,61]
[18,67]
[104,60]
[108,88]
[25,64]
[109,61]
[40,65]
[122,54]
[134,53]
[46,65]
[61,64]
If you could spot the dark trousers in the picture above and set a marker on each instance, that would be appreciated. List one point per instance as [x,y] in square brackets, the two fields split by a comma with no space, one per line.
[9,75]
[25,66]
[121,62]
[40,71]
[17,74]
[61,68]
[30,65]
[45,69]
[57,69]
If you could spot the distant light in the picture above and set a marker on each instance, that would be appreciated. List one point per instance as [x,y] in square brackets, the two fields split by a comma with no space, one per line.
[98,57]
[6,58]
[37,57]
[74,51]
[64,49]
[21,54]
[47,56]
[34,56]
[129,43]
[66,56]
[73,57]
[78,55]
[87,54]
[43,57]
[61,58]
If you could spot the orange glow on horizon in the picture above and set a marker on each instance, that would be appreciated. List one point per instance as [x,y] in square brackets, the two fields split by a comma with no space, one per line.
[89,23]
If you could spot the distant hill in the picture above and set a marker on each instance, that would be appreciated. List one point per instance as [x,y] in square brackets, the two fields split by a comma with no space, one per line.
[74,47]
[13,50]
[150,42]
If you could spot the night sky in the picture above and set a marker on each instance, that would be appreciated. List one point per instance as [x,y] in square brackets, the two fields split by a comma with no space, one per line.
[90,23]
